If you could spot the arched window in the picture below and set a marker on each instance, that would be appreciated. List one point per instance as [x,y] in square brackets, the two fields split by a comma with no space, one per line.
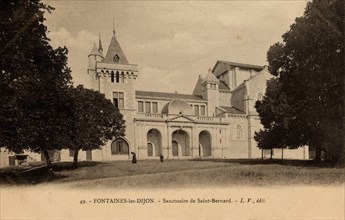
[112,76]
[117,77]
[116,58]
[238,132]
[119,146]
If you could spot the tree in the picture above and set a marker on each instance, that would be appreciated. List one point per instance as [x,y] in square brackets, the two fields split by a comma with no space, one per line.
[95,120]
[308,107]
[276,133]
[33,77]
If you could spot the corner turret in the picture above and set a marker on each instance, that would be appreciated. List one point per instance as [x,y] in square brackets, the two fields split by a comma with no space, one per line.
[95,55]
[210,92]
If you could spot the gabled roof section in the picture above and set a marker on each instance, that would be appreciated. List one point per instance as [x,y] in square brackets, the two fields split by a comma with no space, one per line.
[264,71]
[210,77]
[198,88]
[115,53]
[223,66]
[181,118]
[167,96]
[232,110]
[223,85]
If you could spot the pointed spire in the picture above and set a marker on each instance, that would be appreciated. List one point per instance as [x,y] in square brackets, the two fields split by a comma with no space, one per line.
[113,26]
[100,48]
[94,50]
[114,52]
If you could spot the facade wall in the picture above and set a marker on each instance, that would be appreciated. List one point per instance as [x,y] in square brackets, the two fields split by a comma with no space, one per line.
[241,75]
[224,98]
[238,137]
[257,86]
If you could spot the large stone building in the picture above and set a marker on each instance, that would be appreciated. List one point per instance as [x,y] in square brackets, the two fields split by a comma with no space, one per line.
[218,120]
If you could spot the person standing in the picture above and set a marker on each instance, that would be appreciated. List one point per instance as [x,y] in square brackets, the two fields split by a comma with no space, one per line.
[134,157]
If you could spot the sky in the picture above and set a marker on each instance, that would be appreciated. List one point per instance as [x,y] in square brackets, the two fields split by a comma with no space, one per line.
[172,42]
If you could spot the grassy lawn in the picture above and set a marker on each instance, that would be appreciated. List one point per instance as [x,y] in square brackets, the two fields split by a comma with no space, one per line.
[195,173]
[182,173]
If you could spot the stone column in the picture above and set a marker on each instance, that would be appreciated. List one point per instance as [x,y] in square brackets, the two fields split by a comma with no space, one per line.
[168,151]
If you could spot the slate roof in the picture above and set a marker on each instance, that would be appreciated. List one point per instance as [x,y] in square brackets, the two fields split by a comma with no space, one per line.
[198,88]
[169,96]
[223,85]
[115,49]
[222,66]
[210,77]
[95,51]
[232,110]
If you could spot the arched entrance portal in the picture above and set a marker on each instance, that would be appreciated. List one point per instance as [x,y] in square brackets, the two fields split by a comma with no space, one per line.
[154,143]
[180,143]
[205,148]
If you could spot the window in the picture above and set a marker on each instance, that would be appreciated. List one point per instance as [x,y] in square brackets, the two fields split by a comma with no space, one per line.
[117,77]
[118,100]
[238,132]
[154,107]
[112,77]
[202,110]
[196,110]
[119,146]
[116,58]
[148,107]
[140,106]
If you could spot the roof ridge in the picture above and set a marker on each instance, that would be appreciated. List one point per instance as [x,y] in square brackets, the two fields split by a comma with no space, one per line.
[238,63]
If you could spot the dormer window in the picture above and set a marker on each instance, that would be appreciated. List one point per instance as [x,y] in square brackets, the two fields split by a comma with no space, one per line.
[116,58]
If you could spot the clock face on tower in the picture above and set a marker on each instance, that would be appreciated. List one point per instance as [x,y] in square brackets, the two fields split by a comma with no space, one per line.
[116,58]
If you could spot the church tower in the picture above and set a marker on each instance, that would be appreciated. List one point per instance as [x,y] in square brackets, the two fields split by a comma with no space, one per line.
[210,92]
[116,77]
[113,76]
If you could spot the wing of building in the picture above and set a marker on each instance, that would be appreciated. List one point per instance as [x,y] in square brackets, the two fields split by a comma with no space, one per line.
[218,120]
